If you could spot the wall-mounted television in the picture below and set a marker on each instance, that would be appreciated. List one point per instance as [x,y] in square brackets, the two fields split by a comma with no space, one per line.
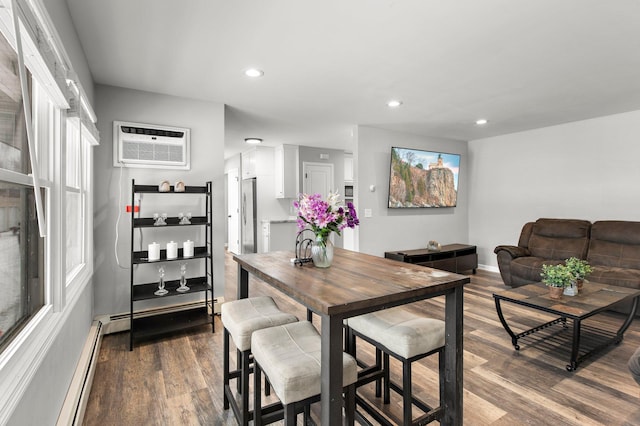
[420,178]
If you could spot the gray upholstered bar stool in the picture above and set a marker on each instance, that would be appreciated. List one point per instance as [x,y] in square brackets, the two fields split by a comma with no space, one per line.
[407,337]
[289,355]
[240,319]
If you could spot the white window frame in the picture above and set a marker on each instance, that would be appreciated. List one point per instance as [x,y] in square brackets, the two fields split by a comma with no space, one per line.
[24,355]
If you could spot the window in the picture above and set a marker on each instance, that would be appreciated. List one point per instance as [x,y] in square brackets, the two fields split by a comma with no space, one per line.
[76,198]
[21,248]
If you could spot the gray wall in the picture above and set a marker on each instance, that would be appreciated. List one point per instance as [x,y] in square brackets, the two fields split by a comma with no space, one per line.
[584,170]
[206,121]
[400,229]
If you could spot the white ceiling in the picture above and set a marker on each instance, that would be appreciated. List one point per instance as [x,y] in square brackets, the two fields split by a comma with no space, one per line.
[330,65]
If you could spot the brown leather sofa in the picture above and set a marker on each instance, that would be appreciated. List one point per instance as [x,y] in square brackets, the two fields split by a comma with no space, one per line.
[612,248]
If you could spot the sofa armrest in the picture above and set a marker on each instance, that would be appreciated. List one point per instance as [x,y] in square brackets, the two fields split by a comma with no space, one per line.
[514,251]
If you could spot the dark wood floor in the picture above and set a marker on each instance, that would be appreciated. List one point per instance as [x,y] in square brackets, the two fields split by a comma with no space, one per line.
[178,380]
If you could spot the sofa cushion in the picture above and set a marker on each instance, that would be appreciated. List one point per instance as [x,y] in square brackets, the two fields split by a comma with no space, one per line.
[529,268]
[615,243]
[623,277]
[559,239]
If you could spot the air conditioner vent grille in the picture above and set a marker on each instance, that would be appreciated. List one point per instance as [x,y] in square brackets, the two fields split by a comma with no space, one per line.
[151,146]
[152,152]
[152,132]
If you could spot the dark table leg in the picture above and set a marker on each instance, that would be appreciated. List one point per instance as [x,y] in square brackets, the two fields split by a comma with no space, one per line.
[243,283]
[514,338]
[575,346]
[331,373]
[453,385]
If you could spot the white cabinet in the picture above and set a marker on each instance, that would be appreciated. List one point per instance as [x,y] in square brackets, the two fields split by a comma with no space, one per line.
[348,168]
[248,161]
[286,171]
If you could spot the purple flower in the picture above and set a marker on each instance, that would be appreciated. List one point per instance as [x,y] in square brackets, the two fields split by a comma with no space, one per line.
[324,217]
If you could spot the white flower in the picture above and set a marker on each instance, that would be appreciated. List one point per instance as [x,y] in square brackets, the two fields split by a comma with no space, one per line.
[333,199]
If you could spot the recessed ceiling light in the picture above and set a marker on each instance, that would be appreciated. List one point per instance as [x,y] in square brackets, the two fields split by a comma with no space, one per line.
[253,141]
[253,72]
[482,122]
[394,103]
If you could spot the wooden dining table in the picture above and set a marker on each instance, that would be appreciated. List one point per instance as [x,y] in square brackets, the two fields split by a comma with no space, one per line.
[355,284]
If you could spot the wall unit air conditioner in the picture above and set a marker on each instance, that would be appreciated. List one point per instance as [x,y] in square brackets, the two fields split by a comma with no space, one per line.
[151,146]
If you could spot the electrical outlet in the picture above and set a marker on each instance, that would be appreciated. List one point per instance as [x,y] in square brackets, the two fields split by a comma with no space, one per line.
[368,213]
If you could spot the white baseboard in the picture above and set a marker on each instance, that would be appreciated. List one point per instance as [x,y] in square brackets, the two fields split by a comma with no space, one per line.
[75,403]
[489,268]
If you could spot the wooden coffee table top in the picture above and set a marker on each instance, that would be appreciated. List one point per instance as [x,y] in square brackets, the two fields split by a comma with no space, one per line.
[593,298]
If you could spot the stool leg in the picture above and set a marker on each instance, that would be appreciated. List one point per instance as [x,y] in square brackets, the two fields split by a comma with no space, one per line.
[407,395]
[244,379]
[225,368]
[257,398]
[290,418]
[385,373]
[441,373]
[239,367]
[350,404]
[378,366]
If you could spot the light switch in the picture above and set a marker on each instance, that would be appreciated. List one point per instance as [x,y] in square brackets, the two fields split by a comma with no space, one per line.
[368,213]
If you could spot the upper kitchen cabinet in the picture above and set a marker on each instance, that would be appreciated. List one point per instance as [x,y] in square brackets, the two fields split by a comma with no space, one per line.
[256,162]
[348,168]
[286,171]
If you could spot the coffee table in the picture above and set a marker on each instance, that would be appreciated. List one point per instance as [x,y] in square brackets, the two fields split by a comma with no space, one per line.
[592,299]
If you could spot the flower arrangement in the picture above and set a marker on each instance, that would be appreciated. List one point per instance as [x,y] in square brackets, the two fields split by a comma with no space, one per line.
[324,217]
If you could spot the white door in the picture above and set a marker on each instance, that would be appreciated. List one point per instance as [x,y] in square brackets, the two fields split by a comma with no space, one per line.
[317,178]
[233,212]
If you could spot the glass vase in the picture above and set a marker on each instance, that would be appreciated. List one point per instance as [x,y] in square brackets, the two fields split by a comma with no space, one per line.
[322,252]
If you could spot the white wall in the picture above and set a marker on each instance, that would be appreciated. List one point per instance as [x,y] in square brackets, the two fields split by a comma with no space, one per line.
[206,121]
[400,229]
[583,170]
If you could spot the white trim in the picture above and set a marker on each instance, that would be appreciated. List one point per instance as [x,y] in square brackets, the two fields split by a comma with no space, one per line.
[489,268]
[26,102]
[75,403]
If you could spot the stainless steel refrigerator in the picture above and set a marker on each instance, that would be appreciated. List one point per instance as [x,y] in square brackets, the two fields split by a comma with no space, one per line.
[249,222]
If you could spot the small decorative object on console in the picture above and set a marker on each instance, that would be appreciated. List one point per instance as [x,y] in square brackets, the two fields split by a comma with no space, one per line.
[433,245]
[179,187]
[164,186]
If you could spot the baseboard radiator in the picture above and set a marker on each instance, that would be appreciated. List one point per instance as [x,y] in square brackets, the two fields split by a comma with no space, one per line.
[75,403]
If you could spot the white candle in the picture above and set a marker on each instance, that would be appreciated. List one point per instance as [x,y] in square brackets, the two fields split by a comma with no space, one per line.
[172,250]
[187,248]
[154,251]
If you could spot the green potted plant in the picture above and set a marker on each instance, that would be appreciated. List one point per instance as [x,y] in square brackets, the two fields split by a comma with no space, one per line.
[556,277]
[579,268]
